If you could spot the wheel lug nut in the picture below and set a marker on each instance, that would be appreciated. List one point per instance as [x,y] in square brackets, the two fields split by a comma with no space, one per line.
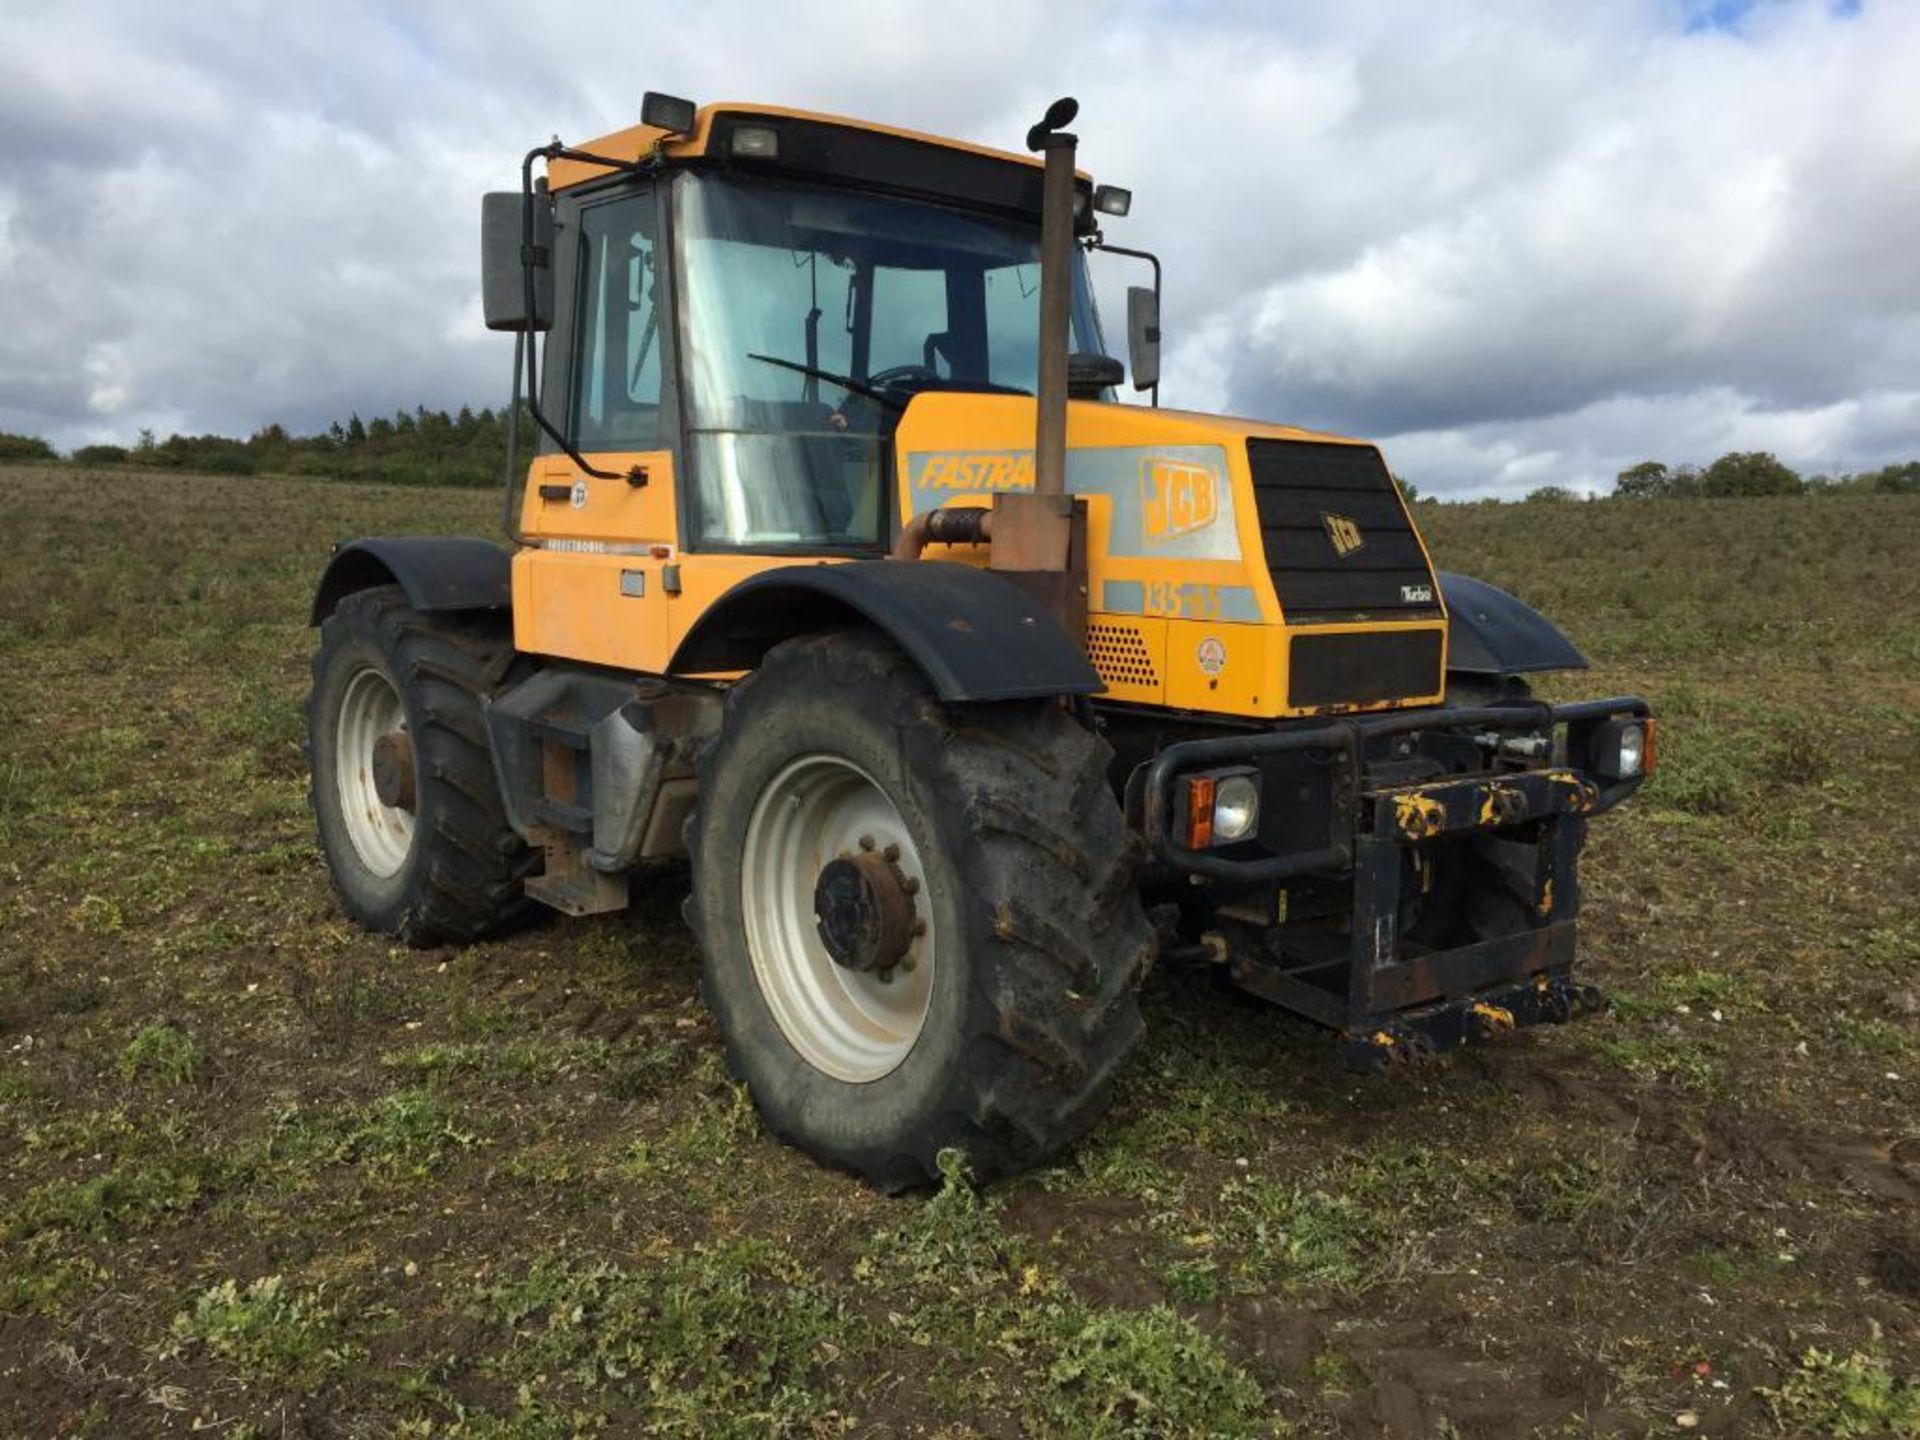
[892,852]
[885,977]
[906,966]
[919,928]
[866,842]
[912,886]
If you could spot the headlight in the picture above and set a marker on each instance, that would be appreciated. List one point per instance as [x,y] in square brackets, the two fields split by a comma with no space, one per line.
[1236,808]
[1622,749]
[1223,807]
[1633,749]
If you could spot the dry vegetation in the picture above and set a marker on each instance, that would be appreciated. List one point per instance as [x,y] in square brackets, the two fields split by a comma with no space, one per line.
[262,1172]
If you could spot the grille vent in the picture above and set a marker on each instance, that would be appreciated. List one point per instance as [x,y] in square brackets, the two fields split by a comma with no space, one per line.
[1300,488]
[1120,657]
[1363,667]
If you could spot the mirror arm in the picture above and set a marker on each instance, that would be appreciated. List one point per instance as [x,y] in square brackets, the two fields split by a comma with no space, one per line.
[511,518]
[1098,241]
[530,259]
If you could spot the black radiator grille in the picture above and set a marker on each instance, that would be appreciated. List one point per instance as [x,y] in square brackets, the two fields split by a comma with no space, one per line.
[1308,494]
[1362,666]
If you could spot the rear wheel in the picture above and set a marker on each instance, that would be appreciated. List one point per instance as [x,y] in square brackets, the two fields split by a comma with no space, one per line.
[403,788]
[919,924]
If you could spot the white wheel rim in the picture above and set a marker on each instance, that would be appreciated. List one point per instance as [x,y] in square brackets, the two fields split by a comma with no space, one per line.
[850,1024]
[382,834]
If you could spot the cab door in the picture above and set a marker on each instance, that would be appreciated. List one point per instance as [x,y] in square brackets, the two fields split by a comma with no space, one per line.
[588,584]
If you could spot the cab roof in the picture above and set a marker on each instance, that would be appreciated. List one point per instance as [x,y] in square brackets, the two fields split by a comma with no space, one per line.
[636,142]
[832,147]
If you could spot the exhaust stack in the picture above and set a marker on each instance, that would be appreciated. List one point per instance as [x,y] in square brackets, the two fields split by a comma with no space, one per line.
[1034,533]
[1056,293]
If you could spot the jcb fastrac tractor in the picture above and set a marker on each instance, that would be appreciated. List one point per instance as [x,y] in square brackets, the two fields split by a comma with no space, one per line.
[841,574]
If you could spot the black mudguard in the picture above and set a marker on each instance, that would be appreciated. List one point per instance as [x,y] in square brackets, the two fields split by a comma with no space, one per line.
[437,574]
[974,634]
[1489,632]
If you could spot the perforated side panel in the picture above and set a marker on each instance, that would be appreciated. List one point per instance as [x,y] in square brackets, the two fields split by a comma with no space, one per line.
[1121,658]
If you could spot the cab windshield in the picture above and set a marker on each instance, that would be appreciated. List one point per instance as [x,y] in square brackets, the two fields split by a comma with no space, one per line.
[812,314]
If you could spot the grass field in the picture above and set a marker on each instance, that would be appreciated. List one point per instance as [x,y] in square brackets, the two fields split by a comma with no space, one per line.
[263,1173]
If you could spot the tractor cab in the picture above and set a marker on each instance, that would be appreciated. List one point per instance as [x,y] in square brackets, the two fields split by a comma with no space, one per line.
[751,305]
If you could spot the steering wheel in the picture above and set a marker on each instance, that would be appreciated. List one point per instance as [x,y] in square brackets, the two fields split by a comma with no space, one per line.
[894,377]
[898,375]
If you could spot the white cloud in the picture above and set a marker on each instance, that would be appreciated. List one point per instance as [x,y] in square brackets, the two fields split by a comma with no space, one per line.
[1524,243]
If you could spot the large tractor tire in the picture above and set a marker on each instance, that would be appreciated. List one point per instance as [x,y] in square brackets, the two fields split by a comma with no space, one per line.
[403,787]
[919,924]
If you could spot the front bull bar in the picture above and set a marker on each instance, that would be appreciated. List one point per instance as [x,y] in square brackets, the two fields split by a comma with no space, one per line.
[1394,1005]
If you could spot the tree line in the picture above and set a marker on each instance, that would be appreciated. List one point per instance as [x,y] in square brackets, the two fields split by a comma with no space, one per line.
[412,447]
[1742,473]
[469,447]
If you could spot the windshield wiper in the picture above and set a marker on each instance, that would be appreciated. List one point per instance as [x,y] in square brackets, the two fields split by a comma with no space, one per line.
[845,382]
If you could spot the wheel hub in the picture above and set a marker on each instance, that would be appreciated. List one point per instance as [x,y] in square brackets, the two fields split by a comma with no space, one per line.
[393,770]
[829,878]
[863,907]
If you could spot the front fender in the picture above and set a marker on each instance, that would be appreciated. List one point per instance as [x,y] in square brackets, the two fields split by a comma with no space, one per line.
[1489,632]
[975,635]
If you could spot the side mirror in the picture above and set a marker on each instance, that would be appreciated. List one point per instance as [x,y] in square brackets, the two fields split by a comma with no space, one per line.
[503,279]
[1143,336]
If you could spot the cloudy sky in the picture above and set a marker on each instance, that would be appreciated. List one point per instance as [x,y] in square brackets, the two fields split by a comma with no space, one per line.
[1519,243]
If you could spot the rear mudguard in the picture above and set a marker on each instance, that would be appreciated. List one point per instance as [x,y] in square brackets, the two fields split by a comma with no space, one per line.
[437,574]
[975,635]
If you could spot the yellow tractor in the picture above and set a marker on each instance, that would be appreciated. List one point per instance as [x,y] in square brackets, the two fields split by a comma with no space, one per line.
[841,574]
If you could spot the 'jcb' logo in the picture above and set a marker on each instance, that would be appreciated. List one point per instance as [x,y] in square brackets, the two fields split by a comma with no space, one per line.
[1175,499]
[1344,534]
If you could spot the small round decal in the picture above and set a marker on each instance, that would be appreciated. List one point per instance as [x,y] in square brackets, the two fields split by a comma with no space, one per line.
[1213,655]
[579,494]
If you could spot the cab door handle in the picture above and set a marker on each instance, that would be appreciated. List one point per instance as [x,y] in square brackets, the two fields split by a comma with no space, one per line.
[556,492]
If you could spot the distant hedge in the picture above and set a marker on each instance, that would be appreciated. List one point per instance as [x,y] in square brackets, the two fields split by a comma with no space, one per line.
[469,448]
[1755,472]
[413,447]
[14,448]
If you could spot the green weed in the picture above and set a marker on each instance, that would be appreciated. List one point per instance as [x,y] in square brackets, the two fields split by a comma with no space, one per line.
[1144,1373]
[1850,1395]
[1002,1330]
[99,915]
[92,1132]
[720,1115]
[163,1053]
[1261,1233]
[1695,1061]
[727,1339]
[126,1199]
[268,1330]
[400,1137]
[1893,949]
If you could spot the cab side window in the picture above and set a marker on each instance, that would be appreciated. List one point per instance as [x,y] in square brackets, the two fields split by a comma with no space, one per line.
[617,370]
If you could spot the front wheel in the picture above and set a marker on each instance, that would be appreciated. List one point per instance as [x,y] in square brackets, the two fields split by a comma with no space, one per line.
[919,924]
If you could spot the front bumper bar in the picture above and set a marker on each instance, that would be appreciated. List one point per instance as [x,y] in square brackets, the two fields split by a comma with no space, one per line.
[1390,998]
[1341,743]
